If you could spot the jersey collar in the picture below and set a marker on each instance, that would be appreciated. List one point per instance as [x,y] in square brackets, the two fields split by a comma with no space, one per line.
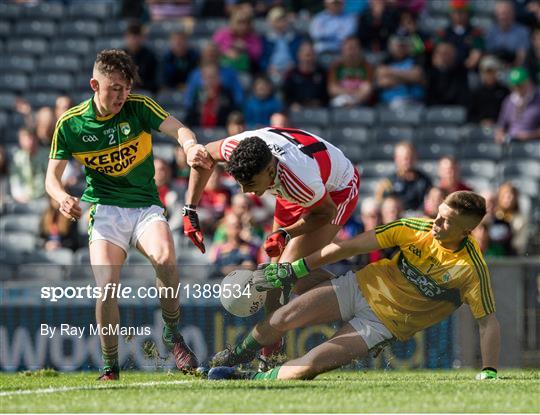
[93,114]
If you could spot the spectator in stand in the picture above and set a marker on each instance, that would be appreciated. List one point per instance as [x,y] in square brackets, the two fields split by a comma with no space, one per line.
[331,26]
[447,79]
[144,58]
[528,13]
[23,111]
[215,200]
[376,24]
[486,100]
[371,217]
[280,46]
[28,168]
[178,61]
[449,175]
[434,197]
[350,79]
[421,43]
[61,105]
[519,118]
[400,77]
[408,183]
[490,248]
[305,85]
[507,39]
[262,104]
[56,230]
[532,60]
[236,123]
[242,207]
[391,209]
[212,103]
[163,178]
[234,253]
[508,210]
[44,126]
[491,201]
[240,46]
[467,39]
[227,77]
[280,119]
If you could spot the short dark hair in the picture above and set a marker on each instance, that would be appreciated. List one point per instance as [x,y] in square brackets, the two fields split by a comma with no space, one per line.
[249,158]
[467,203]
[117,60]
[134,28]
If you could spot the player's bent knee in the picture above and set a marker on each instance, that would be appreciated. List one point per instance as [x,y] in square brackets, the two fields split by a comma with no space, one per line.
[164,258]
[283,319]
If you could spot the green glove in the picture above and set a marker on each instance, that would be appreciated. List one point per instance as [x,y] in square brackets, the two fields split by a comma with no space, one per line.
[487,373]
[278,275]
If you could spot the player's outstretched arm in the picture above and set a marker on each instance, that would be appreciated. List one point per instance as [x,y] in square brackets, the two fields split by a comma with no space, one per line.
[276,275]
[198,177]
[196,154]
[69,205]
[490,346]
[336,251]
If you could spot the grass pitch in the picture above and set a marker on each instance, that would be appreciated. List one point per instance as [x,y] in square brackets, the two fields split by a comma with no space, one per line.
[370,391]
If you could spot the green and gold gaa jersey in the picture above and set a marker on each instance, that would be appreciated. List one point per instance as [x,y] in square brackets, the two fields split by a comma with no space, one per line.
[424,282]
[115,150]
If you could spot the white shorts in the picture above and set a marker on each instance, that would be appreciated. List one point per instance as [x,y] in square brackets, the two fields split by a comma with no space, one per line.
[121,226]
[356,311]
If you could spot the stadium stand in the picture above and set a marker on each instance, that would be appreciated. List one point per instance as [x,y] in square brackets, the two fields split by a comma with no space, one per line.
[48,48]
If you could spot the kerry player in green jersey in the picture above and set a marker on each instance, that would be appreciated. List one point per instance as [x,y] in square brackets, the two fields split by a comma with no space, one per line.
[110,135]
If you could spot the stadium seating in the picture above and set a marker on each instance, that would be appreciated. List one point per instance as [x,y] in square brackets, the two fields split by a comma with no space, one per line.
[410,115]
[312,116]
[445,115]
[358,135]
[48,48]
[353,116]
[20,223]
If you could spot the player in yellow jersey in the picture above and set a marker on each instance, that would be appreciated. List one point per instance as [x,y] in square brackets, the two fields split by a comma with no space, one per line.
[437,268]
[110,134]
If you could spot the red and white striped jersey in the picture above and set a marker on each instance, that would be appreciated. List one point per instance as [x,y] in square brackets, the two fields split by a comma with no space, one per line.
[308,166]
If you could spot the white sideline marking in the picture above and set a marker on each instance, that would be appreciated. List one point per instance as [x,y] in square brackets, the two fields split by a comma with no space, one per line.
[94,387]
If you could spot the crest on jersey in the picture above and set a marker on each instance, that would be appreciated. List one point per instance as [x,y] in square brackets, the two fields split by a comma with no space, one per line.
[446,277]
[125,128]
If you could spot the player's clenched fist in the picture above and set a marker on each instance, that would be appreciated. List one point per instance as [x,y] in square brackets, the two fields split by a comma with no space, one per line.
[198,156]
[69,207]
[275,242]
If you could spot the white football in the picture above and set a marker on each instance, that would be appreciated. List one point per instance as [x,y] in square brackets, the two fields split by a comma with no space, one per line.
[238,295]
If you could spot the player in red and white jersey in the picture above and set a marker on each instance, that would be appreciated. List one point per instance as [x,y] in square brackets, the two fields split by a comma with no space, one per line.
[316,186]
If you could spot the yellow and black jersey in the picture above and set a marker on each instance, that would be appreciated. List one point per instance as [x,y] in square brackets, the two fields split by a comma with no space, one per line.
[423,283]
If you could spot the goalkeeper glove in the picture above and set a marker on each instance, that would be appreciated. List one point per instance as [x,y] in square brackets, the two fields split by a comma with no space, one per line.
[487,373]
[192,229]
[279,275]
[275,242]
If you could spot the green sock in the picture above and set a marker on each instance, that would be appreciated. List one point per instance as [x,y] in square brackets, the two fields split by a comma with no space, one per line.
[249,345]
[171,324]
[110,358]
[271,374]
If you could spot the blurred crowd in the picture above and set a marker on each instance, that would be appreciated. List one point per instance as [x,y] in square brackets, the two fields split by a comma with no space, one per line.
[358,53]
